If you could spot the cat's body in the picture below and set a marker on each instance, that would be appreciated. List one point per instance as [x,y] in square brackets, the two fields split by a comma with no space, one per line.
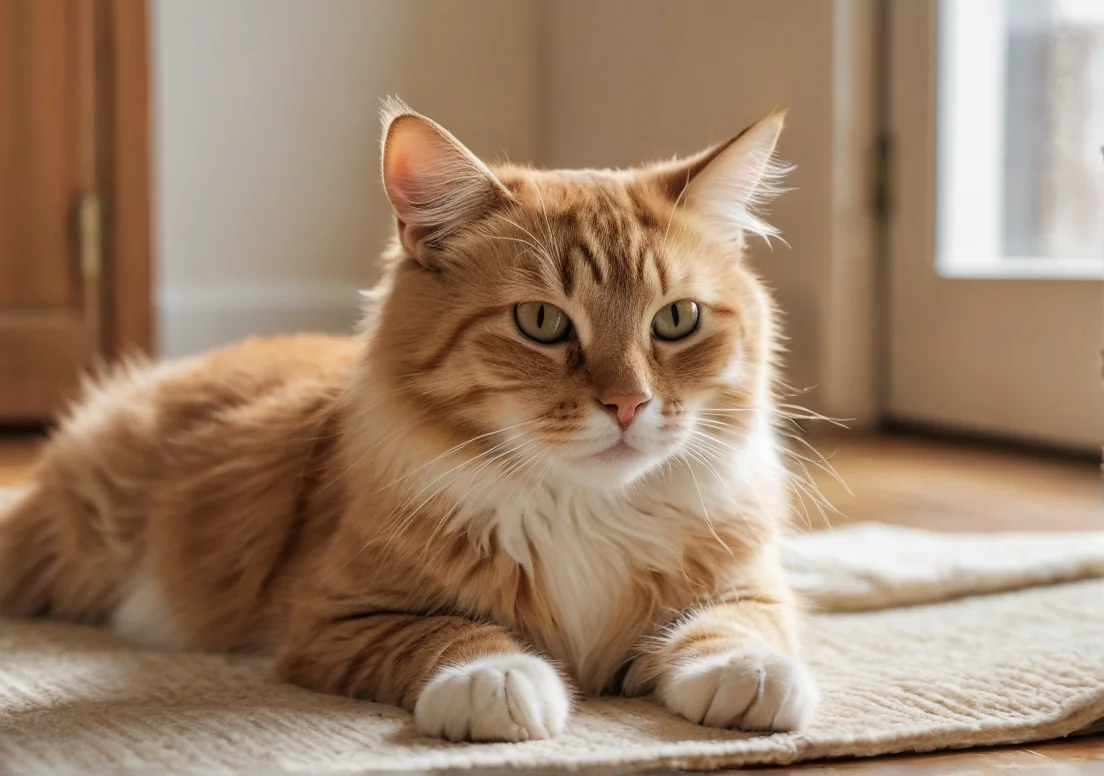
[417,514]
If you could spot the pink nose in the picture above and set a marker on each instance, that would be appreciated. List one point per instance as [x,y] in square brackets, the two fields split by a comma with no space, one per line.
[623,406]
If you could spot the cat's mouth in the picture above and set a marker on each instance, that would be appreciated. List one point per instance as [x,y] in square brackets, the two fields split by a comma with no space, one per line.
[616,465]
[620,451]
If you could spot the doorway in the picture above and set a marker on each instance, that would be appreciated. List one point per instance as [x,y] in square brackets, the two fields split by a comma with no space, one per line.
[996,232]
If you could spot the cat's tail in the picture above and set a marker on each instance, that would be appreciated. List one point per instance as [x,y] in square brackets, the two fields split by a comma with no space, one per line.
[44,570]
[28,552]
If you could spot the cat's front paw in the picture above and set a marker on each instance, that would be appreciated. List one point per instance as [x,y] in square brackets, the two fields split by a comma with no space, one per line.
[753,689]
[509,697]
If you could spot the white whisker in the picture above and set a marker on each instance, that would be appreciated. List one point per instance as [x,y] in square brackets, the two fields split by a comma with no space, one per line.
[701,498]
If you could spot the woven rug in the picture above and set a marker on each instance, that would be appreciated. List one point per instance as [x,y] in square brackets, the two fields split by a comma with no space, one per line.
[922,642]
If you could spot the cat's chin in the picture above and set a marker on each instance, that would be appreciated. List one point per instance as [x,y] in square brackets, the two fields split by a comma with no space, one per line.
[617,466]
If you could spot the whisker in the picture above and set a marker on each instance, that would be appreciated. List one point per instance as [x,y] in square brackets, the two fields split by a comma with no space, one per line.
[812,415]
[802,485]
[671,215]
[528,244]
[705,509]
[547,224]
[460,465]
[798,482]
[455,449]
[405,516]
[542,250]
[699,453]
[517,470]
[790,411]
[704,439]
[487,482]
[822,464]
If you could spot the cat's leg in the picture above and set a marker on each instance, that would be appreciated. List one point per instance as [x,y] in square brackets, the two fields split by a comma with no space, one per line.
[732,665]
[462,680]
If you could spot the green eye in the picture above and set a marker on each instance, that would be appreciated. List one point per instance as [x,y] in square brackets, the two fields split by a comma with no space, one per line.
[676,320]
[542,322]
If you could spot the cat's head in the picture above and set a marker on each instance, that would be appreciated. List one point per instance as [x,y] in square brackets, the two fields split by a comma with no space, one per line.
[583,325]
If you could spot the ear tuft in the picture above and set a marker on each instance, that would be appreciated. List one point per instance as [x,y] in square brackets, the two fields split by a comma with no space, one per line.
[390,109]
[731,181]
[435,185]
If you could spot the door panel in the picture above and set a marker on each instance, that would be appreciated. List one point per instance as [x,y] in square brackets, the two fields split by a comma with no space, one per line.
[982,337]
[49,277]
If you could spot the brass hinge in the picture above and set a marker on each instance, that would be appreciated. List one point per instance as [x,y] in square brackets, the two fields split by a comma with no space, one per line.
[90,236]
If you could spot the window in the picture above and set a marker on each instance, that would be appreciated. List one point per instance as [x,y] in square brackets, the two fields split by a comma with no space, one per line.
[1020,130]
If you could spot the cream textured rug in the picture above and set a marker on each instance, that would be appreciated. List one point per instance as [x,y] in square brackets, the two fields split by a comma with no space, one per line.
[908,658]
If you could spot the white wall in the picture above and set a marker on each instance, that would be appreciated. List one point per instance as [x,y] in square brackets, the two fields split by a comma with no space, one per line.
[630,80]
[269,213]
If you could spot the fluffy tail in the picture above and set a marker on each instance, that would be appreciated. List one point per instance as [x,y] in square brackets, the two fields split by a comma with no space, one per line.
[46,566]
[28,552]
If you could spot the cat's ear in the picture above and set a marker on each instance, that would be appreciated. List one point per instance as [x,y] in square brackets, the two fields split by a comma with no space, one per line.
[436,186]
[729,181]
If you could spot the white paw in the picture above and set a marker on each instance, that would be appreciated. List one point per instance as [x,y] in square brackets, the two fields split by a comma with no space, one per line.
[754,689]
[495,698]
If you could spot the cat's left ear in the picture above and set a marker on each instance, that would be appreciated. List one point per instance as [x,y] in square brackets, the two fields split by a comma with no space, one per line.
[727,182]
[436,186]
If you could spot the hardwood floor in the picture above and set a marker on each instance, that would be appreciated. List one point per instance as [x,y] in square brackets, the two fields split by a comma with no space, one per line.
[17,452]
[926,483]
[956,486]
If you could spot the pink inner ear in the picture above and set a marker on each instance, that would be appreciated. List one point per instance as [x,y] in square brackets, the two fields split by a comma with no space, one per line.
[399,180]
[434,184]
[398,177]
[412,153]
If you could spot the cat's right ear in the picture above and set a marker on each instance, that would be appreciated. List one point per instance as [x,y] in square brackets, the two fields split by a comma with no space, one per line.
[436,186]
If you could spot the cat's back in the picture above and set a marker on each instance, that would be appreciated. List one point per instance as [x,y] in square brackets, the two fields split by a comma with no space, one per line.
[149,411]
[256,367]
[289,372]
[143,426]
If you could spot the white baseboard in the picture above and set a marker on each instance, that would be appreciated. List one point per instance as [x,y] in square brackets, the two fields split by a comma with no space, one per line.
[191,319]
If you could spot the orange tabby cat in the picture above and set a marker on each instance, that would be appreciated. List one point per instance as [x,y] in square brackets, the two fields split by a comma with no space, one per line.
[547,461]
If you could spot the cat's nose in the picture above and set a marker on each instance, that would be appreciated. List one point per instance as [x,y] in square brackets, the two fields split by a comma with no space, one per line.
[623,406]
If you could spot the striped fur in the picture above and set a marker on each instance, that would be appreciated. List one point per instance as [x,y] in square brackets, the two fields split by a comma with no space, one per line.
[429,513]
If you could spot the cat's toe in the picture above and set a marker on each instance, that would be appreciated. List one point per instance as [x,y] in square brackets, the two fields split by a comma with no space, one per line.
[510,697]
[758,689]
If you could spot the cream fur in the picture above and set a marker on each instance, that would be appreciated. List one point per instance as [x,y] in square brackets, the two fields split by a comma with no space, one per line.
[143,616]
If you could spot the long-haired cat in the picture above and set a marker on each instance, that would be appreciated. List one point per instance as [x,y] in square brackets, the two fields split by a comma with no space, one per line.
[547,463]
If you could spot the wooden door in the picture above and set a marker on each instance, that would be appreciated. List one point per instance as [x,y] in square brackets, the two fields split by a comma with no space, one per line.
[50,295]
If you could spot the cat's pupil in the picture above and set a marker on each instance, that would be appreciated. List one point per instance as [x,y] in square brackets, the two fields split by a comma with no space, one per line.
[540,317]
[675,315]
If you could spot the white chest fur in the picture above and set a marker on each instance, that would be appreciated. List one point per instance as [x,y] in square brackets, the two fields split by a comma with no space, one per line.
[585,546]
[588,544]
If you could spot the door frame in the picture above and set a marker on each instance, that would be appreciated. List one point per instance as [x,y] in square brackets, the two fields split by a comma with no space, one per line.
[124,165]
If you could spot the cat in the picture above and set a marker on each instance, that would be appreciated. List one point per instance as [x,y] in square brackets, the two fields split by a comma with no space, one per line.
[545,466]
